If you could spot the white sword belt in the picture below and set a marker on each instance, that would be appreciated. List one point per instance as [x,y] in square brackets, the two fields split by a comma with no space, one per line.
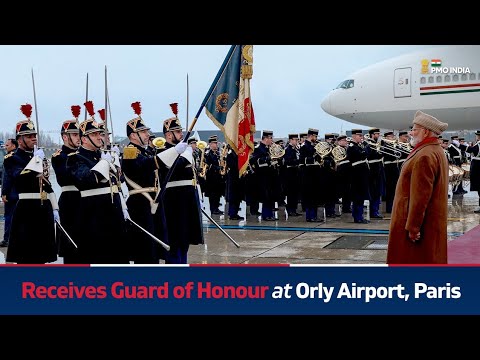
[476,158]
[374,161]
[101,191]
[69,188]
[36,196]
[391,162]
[358,162]
[181,183]
[142,190]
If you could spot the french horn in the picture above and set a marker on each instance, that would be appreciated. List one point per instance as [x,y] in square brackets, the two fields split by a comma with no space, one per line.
[276,151]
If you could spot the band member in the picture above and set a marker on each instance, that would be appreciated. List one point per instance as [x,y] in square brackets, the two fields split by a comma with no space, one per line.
[344,177]
[139,169]
[328,177]
[302,137]
[252,188]
[392,170]
[463,148]
[70,196]
[181,202]
[403,138]
[32,243]
[376,175]
[266,174]
[102,210]
[9,194]
[456,156]
[214,184]
[151,148]
[292,181]
[474,150]
[357,153]
[235,186]
[310,163]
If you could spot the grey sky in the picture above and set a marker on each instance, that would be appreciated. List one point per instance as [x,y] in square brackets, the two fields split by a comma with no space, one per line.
[288,84]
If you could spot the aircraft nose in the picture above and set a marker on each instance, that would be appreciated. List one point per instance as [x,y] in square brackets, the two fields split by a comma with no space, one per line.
[326,106]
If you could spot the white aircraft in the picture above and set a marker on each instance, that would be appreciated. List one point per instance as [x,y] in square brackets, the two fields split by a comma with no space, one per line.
[442,81]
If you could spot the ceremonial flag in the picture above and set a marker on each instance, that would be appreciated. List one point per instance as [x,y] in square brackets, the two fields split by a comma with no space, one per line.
[229,104]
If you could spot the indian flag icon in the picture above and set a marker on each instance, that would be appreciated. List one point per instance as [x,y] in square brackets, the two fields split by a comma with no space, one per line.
[436,62]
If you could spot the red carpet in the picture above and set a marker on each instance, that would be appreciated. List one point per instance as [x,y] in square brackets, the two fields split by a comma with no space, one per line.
[466,248]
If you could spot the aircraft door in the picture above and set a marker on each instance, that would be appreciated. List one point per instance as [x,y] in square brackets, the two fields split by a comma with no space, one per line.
[402,82]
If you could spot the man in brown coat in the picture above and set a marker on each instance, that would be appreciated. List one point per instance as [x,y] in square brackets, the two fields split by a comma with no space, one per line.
[418,229]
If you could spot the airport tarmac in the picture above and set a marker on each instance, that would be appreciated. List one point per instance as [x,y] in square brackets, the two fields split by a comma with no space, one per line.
[294,241]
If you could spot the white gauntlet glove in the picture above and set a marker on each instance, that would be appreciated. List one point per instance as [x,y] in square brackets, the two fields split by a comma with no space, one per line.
[39,152]
[116,149]
[56,215]
[126,215]
[181,147]
[107,156]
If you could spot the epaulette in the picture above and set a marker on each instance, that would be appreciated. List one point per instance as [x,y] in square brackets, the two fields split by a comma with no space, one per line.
[130,152]
[73,153]
[56,153]
[8,155]
[351,144]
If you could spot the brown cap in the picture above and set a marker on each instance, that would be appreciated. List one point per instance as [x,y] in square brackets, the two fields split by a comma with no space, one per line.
[429,122]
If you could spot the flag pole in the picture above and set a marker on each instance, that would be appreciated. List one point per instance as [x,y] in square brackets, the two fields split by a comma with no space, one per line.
[161,194]
[192,125]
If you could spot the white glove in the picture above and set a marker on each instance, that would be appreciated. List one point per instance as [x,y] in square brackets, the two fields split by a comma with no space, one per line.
[189,150]
[181,147]
[39,153]
[126,215]
[56,215]
[456,142]
[116,149]
[202,205]
[107,156]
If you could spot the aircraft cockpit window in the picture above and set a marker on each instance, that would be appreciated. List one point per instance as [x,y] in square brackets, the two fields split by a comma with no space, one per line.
[347,84]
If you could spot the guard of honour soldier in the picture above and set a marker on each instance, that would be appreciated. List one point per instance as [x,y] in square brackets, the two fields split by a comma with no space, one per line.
[121,198]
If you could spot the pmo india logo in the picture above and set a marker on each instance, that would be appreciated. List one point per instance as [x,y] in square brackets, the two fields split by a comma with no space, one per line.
[437,68]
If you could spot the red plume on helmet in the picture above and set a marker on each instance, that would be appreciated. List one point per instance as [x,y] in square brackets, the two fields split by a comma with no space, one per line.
[89,107]
[102,114]
[26,110]
[137,108]
[174,107]
[76,111]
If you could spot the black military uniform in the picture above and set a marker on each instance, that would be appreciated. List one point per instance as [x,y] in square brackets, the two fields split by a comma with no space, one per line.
[11,197]
[344,180]
[252,189]
[32,236]
[311,173]
[474,150]
[214,182]
[291,161]
[235,186]
[180,206]
[328,179]
[404,154]
[392,172]
[139,169]
[357,153]
[267,174]
[69,198]
[376,177]
[101,219]
[456,155]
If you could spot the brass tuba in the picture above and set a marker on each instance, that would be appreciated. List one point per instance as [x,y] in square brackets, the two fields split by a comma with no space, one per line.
[276,151]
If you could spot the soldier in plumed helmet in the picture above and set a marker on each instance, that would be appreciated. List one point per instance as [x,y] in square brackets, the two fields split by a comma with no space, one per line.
[70,196]
[33,243]
[102,210]
[181,201]
[139,169]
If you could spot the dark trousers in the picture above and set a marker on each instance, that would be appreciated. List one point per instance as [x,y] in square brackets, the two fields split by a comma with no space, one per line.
[254,206]
[9,208]
[214,202]
[330,208]
[375,206]
[233,207]
[357,211]
[177,255]
[267,209]
[311,213]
